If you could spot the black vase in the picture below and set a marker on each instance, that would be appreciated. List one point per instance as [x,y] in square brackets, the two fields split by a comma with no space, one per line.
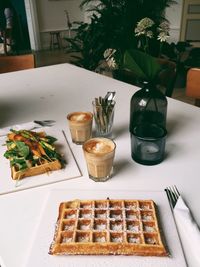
[148,105]
[147,127]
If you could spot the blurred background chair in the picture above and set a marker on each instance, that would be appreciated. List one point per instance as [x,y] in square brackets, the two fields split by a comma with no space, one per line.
[167,76]
[7,36]
[193,85]
[55,40]
[15,63]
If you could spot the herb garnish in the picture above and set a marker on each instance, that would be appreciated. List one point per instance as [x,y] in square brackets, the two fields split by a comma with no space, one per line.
[27,149]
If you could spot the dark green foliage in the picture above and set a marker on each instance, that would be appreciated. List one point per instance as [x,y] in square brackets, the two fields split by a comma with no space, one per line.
[112,26]
[143,66]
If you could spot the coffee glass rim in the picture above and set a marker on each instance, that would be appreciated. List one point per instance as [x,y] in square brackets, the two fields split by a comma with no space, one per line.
[101,138]
[78,112]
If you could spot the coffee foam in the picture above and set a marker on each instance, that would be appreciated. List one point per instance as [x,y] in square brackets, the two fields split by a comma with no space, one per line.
[80,117]
[99,146]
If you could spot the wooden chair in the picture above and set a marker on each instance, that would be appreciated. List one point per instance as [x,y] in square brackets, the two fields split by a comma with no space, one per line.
[193,85]
[5,46]
[15,63]
[55,40]
[168,75]
[6,34]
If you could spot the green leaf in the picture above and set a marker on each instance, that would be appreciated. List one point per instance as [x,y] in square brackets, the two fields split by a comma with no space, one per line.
[20,154]
[20,163]
[10,154]
[22,148]
[50,139]
[143,66]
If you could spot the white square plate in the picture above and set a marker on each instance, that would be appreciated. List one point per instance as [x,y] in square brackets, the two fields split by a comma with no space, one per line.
[71,170]
[38,252]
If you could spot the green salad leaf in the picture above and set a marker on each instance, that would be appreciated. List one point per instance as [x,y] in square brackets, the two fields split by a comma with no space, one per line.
[27,149]
[23,149]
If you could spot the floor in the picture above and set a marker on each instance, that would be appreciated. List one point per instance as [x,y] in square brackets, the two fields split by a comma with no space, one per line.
[51,57]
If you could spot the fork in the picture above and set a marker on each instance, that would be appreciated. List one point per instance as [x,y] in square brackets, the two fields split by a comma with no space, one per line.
[173,195]
[45,122]
[188,230]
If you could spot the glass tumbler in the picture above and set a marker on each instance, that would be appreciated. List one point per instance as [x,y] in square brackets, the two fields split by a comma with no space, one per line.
[99,154]
[148,143]
[80,125]
[103,117]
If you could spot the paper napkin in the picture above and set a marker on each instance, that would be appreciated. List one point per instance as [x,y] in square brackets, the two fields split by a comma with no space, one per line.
[189,233]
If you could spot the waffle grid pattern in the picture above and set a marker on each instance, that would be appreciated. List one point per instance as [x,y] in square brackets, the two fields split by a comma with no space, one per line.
[96,227]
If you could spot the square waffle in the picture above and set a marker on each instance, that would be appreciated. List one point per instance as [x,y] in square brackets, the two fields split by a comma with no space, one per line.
[102,227]
[42,156]
[36,170]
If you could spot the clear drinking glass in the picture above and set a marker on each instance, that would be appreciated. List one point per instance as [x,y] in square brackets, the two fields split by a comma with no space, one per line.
[148,143]
[99,155]
[80,125]
[103,116]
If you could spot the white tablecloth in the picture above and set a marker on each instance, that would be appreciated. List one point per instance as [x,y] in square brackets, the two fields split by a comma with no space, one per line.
[51,93]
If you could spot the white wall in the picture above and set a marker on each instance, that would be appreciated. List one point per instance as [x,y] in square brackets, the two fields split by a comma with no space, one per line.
[173,14]
[33,27]
[51,16]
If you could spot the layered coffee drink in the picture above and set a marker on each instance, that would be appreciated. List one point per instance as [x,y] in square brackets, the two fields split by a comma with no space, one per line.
[99,154]
[80,125]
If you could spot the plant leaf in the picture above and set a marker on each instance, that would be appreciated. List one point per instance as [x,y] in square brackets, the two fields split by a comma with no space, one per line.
[143,66]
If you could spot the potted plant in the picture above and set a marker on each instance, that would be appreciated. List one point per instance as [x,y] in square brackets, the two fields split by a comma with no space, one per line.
[112,25]
[148,104]
[133,67]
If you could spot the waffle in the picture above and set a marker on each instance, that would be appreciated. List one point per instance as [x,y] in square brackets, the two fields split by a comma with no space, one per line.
[34,149]
[36,170]
[102,227]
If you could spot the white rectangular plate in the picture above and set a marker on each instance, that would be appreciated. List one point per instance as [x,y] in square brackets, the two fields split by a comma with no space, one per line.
[43,236]
[71,170]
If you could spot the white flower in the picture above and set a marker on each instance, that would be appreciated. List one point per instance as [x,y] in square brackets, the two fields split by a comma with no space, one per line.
[139,31]
[149,34]
[142,27]
[109,53]
[145,23]
[112,63]
[109,57]
[164,27]
[163,36]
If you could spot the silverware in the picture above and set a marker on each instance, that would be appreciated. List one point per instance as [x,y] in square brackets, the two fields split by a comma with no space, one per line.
[109,96]
[173,195]
[44,123]
[103,112]
[28,126]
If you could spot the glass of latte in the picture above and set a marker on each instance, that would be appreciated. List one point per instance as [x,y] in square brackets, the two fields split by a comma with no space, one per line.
[99,154]
[80,125]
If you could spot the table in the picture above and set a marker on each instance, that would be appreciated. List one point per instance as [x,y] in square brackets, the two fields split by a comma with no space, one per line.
[52,92]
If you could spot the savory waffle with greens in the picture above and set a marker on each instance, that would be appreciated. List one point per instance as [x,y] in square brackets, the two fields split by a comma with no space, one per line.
[31,153]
